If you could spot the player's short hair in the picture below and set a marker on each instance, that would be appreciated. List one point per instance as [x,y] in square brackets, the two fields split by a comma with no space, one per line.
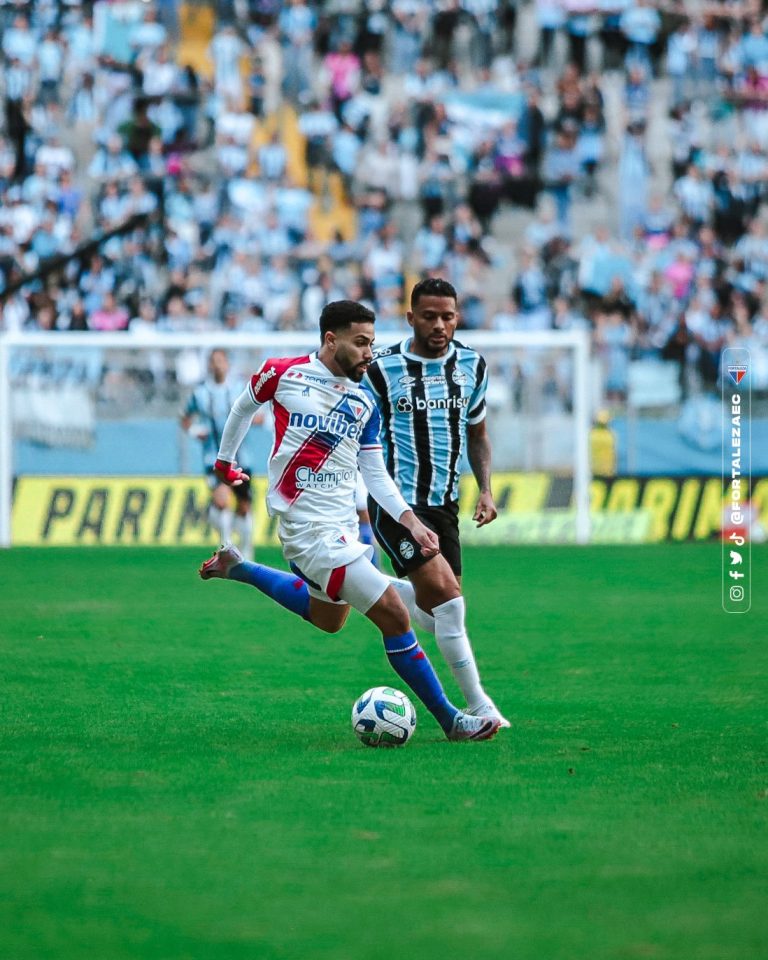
[433,287]
[341,314]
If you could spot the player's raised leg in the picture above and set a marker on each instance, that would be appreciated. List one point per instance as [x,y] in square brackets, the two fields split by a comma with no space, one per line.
[287,589]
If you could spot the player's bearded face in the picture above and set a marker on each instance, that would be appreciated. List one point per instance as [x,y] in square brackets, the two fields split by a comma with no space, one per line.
[354,350]
[434,322]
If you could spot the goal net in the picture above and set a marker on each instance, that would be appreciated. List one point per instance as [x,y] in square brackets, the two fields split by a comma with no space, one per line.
[92,450]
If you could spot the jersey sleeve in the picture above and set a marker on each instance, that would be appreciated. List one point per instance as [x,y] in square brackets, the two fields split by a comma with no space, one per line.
[476,411]
[380,485]
[237,425]
[369,438]
[264,382]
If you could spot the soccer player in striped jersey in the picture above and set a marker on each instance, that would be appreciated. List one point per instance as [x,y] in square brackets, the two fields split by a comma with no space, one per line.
[326,431]
[203,418]
[430,391]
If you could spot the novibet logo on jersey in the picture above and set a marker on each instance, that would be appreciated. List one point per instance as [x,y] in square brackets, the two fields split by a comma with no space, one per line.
[408,405]
[331,423]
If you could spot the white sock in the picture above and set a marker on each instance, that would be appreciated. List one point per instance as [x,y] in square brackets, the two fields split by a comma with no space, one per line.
[451,636]
[420,617]
[222,520]
[244,530]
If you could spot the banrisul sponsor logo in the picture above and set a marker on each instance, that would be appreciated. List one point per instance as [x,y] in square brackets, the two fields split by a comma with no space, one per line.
[419,404]
[330,423]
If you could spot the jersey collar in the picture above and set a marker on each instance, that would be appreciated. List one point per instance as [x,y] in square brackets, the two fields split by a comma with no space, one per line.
[412,356]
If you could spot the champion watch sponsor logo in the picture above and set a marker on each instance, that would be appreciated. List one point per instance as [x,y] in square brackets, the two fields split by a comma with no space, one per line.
[309,479]
[333,423]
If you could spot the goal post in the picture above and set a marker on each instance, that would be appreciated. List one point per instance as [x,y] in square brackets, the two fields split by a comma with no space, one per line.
[68,388]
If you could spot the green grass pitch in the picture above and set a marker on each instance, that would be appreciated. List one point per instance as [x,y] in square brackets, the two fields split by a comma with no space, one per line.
[179,779]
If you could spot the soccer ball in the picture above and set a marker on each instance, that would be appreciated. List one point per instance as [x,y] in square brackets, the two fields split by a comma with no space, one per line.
[383,717]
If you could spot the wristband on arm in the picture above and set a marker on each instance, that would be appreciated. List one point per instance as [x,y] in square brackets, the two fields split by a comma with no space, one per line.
[229,473]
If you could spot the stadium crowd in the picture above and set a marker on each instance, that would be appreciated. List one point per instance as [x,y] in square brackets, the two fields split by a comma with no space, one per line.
[421,123]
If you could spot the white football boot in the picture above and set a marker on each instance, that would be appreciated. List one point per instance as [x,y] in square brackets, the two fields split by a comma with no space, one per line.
[466,727]
[226,557]
[489,709]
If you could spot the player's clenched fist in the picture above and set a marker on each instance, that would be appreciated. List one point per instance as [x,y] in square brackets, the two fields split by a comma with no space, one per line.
[427,539]
[229,473]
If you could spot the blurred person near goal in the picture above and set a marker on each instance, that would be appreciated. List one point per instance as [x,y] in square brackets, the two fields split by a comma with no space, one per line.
[203,418]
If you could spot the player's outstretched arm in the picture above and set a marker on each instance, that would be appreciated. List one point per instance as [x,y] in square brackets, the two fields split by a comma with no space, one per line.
[239,420]
[383,490]
[479,456]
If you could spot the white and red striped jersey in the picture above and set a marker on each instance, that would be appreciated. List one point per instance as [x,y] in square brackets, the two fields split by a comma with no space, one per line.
[321,423]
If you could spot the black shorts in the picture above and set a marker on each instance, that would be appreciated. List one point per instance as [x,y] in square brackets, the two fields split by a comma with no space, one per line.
[242,491]
[402,549]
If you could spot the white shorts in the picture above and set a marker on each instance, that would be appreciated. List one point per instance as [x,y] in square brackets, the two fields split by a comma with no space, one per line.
[332,562]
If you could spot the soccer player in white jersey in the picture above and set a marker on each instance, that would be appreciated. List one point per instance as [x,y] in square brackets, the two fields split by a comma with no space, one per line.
[326,428]
[430,391]
[204,417]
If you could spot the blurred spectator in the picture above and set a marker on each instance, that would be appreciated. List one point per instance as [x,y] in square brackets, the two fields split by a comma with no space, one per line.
[406,133]
[633,181]
[109,316]
[560,169]
[112,161]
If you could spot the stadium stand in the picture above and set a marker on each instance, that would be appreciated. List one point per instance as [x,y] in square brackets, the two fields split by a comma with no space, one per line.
[562,166]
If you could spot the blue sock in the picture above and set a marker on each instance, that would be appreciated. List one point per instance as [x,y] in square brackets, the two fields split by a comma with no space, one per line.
[411,664]
[285,588]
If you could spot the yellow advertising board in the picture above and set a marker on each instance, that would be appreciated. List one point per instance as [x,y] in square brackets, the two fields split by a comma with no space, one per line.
[533,508]
[124,511]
